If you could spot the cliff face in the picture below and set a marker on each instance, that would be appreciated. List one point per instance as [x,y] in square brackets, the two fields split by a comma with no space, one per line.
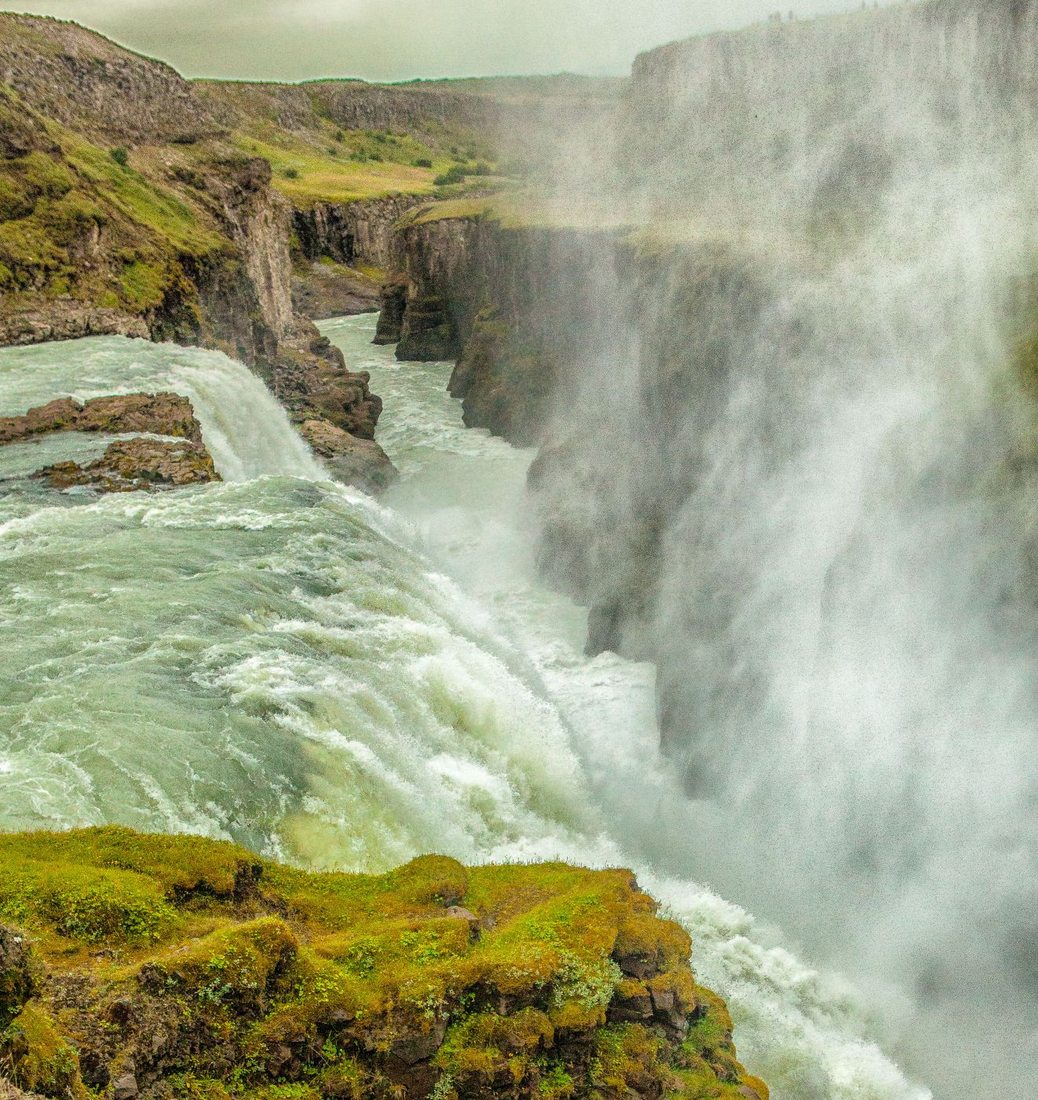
[489,294]
[353,105]
[905,87]
[688,360]
[180,237]
[353,233]
[343,252]
[91,85]
[180,967]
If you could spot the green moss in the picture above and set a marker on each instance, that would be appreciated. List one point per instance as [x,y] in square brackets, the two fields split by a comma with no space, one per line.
[91,905]
[270,981]
[44,174]
[488,1046]
[16,199]
[307,170]
[143,284]
[36,1057]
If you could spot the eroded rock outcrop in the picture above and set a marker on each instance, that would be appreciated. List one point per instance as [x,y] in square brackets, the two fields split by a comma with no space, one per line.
[82,78]
[179,966]
[67,321]
[508,301]
[157,413]
[355,461]
[392,306]
[133,464]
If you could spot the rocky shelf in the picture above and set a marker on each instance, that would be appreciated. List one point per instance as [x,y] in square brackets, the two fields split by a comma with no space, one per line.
[158,966]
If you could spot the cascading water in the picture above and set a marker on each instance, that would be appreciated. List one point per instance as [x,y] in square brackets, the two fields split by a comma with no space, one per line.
[272,659]
[835,432]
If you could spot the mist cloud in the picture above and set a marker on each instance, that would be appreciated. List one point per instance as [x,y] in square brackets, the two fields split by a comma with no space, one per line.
[400,39]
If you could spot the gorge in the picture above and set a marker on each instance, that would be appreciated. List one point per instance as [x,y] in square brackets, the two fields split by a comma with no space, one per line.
[745,369]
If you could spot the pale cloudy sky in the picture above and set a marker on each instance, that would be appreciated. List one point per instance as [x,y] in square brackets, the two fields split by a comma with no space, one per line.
[399,39]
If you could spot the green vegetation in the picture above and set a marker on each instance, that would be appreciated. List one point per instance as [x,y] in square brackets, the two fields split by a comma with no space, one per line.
[77,220]
[455,174]
[308,172]
[267,981]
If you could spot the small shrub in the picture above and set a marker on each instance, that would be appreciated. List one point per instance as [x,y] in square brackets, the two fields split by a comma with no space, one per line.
[292,173]
[423,162]
[455,174]
[121,156]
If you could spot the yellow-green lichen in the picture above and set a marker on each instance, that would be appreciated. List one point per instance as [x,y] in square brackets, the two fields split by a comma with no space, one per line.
[265,980]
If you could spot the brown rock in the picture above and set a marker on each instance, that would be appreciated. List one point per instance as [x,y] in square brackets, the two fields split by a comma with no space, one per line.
[323,290]
[638,1006]
[10,1092]
[125,1087]
[419,1046]
[391,315]
[359,462]
[67,321]
[133,464]
[160,413]
[16,977]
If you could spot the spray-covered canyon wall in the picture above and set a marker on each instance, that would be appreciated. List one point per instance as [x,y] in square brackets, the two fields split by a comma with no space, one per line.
[793,462]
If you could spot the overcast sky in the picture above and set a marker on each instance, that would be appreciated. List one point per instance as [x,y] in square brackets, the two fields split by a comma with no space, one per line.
[399,39]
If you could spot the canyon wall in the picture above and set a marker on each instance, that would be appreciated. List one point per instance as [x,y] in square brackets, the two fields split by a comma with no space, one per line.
[798,476]
[509,302]
[148,223]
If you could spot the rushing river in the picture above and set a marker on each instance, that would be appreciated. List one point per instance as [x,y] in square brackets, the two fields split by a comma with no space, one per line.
[281,661]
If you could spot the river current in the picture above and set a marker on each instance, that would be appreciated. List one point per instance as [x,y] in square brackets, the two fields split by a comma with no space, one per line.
[281,661]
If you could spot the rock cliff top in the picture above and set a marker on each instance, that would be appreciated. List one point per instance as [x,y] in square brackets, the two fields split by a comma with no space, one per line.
[176,967]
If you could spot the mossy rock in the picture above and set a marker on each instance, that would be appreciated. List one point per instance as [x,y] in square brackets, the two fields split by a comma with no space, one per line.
[201,971]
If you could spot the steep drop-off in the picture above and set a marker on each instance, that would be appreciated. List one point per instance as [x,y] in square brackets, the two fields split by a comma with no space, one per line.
[801,482]
[181,967]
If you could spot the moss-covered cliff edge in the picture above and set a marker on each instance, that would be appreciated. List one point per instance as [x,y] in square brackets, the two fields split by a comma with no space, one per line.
[154,966]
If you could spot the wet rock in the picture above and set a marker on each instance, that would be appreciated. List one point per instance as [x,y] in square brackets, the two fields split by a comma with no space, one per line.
[16,975]
[134,464]
[353,461]
[68,321]
[158,413]
[391,318]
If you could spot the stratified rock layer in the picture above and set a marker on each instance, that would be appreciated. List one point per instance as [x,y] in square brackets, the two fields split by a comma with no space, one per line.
[133,464]
[182,967]
[158,413]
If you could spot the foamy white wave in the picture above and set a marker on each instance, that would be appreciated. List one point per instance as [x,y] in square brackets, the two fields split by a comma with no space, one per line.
[273,659]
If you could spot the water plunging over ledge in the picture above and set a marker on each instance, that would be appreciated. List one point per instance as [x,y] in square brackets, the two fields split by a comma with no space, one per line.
[279,660]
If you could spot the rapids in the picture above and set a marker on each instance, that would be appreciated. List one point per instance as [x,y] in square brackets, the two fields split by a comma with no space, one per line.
[281,661]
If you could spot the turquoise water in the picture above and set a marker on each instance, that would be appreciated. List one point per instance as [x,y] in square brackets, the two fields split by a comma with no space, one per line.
[280,660]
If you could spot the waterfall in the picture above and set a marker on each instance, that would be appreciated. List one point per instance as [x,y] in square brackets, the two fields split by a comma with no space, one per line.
[247,432]
[276,660]
[833,445]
